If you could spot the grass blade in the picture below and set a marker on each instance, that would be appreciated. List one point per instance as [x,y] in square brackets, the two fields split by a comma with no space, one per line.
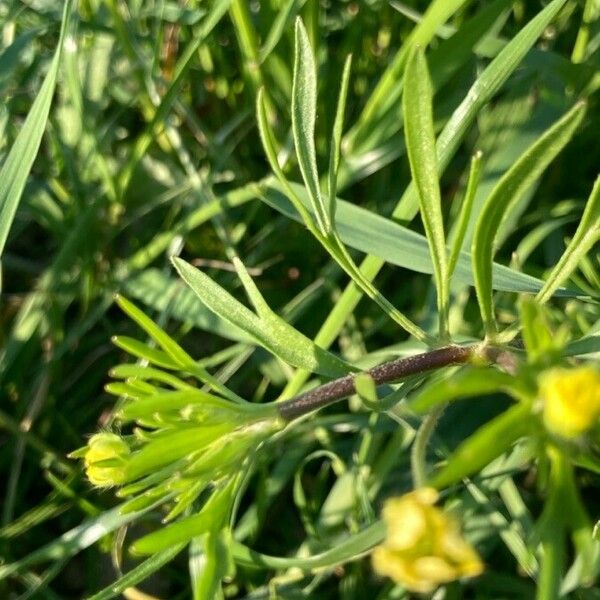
[138,573]
[387,90]
[76,539]
[480,93]
[388,241]
[19,161]
[283,18]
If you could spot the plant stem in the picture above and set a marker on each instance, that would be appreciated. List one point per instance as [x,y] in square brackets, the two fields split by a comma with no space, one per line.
[418,462]
[390,371]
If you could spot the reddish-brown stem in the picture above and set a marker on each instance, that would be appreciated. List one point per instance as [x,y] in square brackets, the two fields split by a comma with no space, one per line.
[390,371]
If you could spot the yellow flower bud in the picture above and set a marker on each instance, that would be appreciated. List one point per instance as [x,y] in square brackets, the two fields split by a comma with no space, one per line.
[424,547]
[571,400]
[104,447]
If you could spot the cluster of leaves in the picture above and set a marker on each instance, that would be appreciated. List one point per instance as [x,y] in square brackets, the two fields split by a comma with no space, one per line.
[151,152]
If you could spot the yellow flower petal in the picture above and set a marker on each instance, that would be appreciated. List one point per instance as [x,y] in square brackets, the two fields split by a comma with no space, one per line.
[424,547]
[571,400]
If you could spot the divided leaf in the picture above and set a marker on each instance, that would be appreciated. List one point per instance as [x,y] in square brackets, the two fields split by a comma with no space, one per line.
[269,330]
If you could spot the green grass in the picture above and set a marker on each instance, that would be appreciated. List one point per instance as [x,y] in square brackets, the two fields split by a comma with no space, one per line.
[224,166]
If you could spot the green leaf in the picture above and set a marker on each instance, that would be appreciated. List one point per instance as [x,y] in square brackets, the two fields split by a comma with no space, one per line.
[138,372]
[470,382]
[304,111]
[172,348]
[373,234]
[465,212]
[270,331]
[261,307]
[336,138]
[127,390]
[19,161]
[537,337]
[351,548]
[210,561]
[143,351]
[508,190]
[587,234]
[420,145]
[165,341]
[212,517]
[161,292]
[171,446]
[267,138]
[366,389]
[481,92]
[75,540]
[487,443]
[176,401]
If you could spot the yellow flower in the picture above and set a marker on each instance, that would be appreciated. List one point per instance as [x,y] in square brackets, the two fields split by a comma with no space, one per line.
[424,547]
[571,400]
[104,447]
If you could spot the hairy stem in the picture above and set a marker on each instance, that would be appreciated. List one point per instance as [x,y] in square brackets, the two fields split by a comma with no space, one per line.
[390,371]
[418,460]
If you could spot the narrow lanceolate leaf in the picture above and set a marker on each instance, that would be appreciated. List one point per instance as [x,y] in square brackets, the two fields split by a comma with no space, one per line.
[420,145]
[468,383]
[148,374]
[171,446]
[465,212]
[267,137]
[145,352]
[165,341]
[212,517]
[508,190]
[19,161]
[268,329]
[336,138]
[587,234]
[179,532]
[344,551]
[304,111]
[172,348]
[210,562]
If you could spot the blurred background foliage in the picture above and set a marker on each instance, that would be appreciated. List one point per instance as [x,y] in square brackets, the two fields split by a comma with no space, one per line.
[151,150]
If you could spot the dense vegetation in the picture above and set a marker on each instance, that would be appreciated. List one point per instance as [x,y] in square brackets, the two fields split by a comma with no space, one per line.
[217,176]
